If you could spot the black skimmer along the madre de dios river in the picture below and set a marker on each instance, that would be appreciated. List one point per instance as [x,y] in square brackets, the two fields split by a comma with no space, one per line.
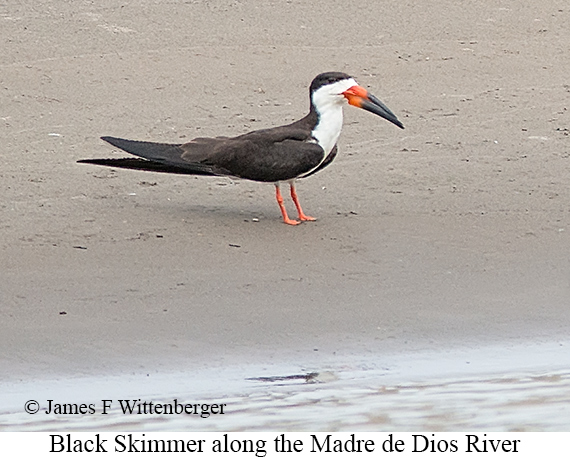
[275,155]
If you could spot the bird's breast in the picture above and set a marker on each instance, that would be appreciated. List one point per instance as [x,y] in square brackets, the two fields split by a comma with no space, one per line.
[328,128]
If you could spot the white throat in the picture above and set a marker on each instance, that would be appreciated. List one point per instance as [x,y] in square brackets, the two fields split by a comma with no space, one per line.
[328,101]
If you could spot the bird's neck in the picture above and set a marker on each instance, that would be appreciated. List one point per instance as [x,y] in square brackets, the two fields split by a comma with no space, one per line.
[328,127]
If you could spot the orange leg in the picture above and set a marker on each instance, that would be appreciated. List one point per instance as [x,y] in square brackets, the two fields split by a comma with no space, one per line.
[282,207]
[302,215]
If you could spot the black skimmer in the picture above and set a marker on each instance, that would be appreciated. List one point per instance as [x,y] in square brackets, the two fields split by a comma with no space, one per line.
[275,155]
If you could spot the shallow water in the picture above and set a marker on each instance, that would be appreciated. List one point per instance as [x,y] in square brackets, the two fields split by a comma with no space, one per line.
[451,391]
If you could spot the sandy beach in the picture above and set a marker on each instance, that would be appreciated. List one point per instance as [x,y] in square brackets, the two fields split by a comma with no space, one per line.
[451,233]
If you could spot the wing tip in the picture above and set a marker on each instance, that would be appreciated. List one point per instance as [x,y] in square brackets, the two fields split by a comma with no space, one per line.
[111,139]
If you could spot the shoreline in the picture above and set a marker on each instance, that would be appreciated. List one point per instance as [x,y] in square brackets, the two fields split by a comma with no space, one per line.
[469,377]
[424,366]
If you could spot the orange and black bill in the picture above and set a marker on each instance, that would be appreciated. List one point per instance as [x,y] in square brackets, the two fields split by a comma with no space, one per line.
[358,96]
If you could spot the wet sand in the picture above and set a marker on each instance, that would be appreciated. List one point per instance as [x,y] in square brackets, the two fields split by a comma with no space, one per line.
[518,388]
[451,233]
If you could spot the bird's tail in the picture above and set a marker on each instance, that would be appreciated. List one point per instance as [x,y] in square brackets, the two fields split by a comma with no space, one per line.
[146,149]
[147,165]
[159,157]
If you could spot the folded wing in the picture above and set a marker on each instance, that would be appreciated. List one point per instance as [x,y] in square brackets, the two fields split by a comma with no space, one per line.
[266,155]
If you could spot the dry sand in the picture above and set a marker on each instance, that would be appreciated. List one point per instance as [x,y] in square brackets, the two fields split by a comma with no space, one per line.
[453,232]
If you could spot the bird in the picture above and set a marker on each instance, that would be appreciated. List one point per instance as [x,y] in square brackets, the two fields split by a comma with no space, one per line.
[275,155]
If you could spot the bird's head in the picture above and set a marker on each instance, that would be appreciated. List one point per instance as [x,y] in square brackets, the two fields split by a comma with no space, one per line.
[335,88]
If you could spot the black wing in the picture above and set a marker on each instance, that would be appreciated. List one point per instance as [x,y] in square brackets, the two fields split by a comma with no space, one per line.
[325,162]
[269,155]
